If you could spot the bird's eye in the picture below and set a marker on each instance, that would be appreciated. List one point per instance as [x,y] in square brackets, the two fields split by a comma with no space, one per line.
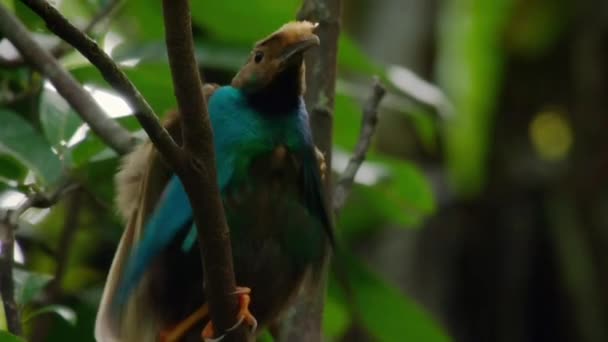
[259,55]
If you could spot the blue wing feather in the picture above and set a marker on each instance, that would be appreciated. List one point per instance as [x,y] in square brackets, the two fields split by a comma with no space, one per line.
[173,213]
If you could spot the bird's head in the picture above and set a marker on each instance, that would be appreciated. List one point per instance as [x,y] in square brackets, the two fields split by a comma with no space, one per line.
[277,61]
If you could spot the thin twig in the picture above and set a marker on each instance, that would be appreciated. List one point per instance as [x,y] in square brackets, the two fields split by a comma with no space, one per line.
[112,74]
[61,49]
[7,286]
[368,127]
[118,138]
[199,174]
[43,200]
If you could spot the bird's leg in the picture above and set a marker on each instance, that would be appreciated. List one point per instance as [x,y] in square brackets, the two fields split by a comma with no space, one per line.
[321,162]
[177,332]
[243,315]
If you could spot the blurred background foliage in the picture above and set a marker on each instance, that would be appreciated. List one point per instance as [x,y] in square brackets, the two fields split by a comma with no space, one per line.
[480,214]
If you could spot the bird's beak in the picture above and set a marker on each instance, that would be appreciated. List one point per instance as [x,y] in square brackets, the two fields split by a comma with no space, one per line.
[297,48]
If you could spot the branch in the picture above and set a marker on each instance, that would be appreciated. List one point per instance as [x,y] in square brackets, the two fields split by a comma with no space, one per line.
[107,129]
[43,200]
[7,286]
[368,127]
[61,49]
[112,74]
[199,175]
[321,73]
[305,324]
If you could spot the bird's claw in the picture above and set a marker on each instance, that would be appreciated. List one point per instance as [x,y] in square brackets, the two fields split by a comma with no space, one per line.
[321,162]
[244,315]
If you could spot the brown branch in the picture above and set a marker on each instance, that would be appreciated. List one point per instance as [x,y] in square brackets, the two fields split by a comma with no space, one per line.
[199,174]
[43,200]
[61,49]
[107,129]
[321,73]
[7,286]
[112,74]
[368,127]
[305,324]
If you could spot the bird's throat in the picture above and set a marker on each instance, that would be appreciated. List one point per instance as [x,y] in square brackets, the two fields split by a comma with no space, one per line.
[281,96]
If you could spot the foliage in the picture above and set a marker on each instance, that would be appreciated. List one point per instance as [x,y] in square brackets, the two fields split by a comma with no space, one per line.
[43,139]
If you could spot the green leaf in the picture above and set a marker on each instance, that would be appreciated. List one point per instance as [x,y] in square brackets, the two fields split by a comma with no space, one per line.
[11,169]
[385,311]
[5,336]
[58,120]
[404,198]
[211,54]
[140,20]
[153,80]
[352,58]
[347,122]
[28,285]
[233,22]
[62,311]
[336,317]
[8,4]
[470,67]
[31,20]
[91,148]
[98,177]
[19,139]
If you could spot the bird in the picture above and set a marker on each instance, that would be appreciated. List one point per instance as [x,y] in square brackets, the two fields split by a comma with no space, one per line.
[270,176]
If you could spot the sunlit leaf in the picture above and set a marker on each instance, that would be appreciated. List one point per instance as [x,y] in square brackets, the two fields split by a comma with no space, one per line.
[91,148]
[19,139]
[28,285]
[60,310]
[58,119]
[153,80]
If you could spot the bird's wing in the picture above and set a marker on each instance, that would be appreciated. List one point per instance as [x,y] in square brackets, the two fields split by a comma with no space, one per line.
[140,184]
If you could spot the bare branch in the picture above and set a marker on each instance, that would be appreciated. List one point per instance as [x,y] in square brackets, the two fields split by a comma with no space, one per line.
[7,286]
[305,324]
[62,48]
[199,175]
[368,127]
[112,74]
[107,129]
[43,200]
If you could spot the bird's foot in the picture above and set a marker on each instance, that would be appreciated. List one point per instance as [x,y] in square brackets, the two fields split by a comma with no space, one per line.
[175,333]
[243,315]
[321,162]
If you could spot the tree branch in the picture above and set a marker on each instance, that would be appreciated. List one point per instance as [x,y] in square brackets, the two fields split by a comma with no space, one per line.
[305,324]
[7,286]
[107,129]
[62,48]
[368,127]
[112,74]
[199,174]
[43,200]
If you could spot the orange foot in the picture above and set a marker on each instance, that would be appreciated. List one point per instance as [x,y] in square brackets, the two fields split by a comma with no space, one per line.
[244,315]
[175,333]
